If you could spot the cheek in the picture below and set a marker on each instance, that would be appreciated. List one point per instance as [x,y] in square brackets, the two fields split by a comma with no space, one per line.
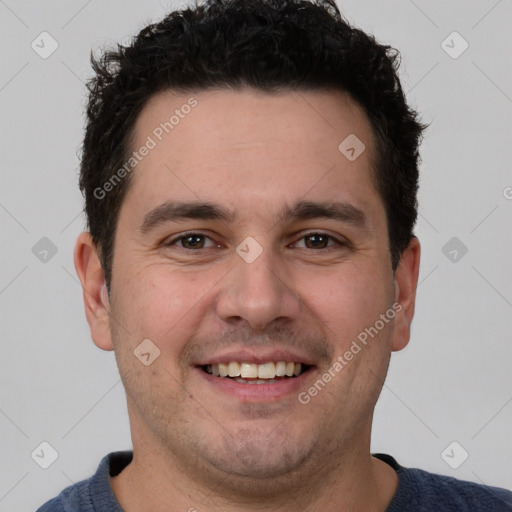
[153,305]
[164,304]
[346,302]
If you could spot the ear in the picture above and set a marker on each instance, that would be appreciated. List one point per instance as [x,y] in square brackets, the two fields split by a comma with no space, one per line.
[96,302]
[406,281]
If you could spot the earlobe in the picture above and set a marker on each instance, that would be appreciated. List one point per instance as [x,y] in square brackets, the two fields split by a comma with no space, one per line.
[95,296]
[406,282]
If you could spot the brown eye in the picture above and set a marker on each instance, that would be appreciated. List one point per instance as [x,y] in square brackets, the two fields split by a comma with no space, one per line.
[192,241]
[319,241]
[316,240]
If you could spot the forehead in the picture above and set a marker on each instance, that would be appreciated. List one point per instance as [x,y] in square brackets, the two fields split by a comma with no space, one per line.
[249,148]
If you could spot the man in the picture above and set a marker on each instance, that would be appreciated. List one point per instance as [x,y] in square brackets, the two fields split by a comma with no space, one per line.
[250,171]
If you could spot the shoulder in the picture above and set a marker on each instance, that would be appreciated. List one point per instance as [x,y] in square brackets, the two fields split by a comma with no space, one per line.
[74,498]
[448,493]
[93,494]
[422,491]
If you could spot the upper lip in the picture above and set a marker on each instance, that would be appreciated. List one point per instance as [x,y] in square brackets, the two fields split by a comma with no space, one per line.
[257,357]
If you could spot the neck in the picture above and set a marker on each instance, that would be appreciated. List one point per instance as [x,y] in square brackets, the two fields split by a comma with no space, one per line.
[156,481]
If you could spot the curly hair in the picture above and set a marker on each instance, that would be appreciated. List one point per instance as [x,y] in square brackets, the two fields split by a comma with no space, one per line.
[271,45]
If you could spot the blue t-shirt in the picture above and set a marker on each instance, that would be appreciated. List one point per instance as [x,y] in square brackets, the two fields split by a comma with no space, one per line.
[418,491]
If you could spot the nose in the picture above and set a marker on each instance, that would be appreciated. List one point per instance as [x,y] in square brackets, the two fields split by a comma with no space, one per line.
[258,293]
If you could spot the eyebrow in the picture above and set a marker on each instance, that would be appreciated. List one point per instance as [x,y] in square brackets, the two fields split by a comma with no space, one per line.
[170,211]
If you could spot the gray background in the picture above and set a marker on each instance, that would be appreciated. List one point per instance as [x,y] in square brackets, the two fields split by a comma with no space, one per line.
[452,383]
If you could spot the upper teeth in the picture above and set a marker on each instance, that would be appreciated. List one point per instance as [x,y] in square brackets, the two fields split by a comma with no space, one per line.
[255,371]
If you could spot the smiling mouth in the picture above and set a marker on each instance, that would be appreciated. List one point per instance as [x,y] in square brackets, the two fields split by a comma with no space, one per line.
[249,373]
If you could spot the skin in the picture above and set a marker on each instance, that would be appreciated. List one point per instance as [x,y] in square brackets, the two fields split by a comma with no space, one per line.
[195,447]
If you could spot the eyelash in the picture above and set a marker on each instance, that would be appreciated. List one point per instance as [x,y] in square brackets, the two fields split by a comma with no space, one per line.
[183,236]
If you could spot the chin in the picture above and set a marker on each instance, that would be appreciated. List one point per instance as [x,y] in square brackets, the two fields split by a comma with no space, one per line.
[261,453]
[248,467]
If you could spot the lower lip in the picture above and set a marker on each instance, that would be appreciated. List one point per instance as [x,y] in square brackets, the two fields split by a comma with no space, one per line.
[271,392]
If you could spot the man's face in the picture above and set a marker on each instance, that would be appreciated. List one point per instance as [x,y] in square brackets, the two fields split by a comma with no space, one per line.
[259,286]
